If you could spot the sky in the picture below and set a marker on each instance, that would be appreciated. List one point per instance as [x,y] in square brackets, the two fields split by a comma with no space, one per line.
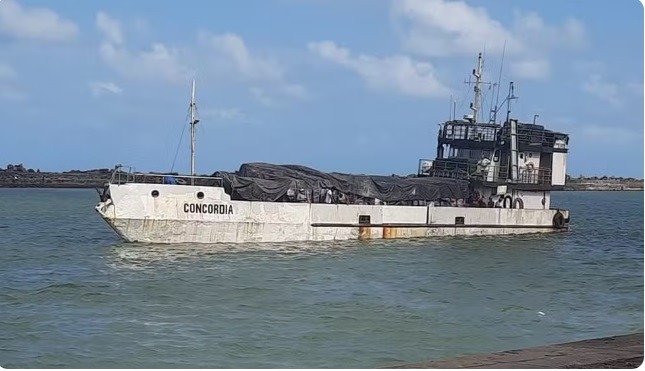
[339,85]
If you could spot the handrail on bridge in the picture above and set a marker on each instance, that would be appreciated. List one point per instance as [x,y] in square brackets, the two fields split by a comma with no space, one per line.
[492,173]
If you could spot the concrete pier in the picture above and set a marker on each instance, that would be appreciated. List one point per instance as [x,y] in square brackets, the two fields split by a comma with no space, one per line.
[625,351]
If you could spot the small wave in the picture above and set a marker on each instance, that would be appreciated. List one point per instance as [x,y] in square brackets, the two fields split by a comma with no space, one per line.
[68,287]
[514,307]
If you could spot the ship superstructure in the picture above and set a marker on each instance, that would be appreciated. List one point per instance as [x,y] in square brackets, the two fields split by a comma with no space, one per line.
[520,163]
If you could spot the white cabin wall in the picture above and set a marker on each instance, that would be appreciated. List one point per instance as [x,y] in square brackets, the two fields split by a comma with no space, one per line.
[559,169]
[533,199]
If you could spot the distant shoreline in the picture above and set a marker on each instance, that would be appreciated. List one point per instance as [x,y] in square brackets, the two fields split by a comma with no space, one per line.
[20,177]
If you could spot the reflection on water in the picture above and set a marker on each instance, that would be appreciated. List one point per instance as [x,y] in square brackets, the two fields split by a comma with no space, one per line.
[124,255]
[139,255]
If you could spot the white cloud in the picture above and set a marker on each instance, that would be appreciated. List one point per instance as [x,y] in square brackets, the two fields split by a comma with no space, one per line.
[234,51]
[601,89]
[535,69]
[534,33]
[229,53]
[604,84]
[441,28]
[34,23]
[397,73]
[221,56]
[101,88]
[111,28]
[158,63]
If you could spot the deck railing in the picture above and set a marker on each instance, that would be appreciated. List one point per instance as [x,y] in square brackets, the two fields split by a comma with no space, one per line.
[466,131]
[491,173]
[531,136]
[124,175]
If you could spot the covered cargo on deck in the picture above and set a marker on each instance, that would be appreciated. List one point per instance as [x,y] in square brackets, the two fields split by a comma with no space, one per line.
[296,183]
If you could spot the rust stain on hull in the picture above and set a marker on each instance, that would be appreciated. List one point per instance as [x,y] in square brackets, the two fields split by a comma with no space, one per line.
[364,233]
[390,232]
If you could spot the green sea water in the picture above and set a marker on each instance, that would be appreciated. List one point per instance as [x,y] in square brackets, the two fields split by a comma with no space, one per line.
[73,295]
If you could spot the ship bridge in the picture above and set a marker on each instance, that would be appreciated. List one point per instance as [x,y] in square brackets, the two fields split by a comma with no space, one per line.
[526,156]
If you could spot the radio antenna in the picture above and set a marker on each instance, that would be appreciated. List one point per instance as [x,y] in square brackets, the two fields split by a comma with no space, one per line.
[499,81]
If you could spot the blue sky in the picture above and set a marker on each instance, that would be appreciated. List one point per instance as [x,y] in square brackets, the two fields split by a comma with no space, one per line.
[339,85]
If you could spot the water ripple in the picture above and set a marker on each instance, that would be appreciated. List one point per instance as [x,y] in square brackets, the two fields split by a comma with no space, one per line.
[73,296]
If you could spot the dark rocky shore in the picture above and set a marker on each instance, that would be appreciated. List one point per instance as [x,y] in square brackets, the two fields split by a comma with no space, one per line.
[17,176]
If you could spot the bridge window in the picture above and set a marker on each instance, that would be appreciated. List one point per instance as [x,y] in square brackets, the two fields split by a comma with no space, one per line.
[460,132]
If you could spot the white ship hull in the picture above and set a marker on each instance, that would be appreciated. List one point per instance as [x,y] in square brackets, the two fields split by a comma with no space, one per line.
[177,215]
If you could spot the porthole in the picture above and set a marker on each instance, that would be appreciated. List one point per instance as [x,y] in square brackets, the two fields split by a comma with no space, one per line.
[530,154]
[200,195]
[155,193]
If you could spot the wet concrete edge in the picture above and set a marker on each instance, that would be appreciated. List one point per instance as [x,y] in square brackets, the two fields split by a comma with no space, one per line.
[622,351]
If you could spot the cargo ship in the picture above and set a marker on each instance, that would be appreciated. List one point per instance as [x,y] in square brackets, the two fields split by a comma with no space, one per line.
[487,178]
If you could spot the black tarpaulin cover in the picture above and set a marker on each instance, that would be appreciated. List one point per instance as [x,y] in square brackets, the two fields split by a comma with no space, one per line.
[269,182]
